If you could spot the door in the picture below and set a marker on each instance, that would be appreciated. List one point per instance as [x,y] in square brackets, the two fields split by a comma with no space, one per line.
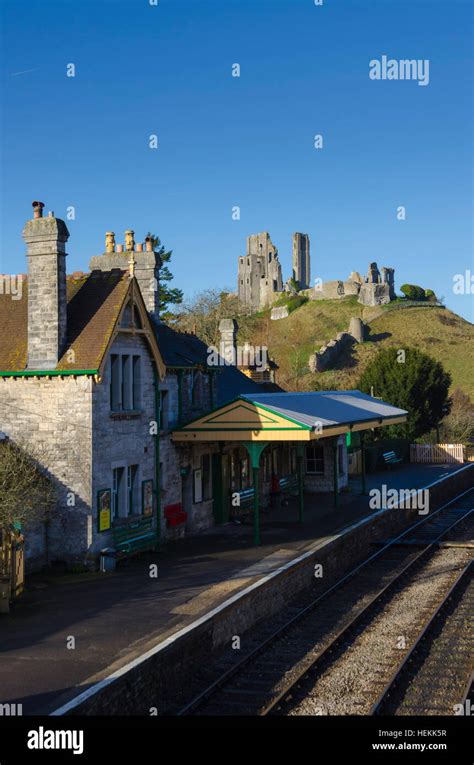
[221,487]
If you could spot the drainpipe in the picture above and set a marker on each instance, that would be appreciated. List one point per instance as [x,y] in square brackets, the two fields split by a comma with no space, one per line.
[157,456]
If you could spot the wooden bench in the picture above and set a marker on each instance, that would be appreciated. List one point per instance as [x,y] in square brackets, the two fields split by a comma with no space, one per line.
[289,484]
[390,458]
[133,537]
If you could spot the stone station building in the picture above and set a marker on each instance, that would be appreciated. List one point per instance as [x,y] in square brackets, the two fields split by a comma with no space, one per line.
[103,394]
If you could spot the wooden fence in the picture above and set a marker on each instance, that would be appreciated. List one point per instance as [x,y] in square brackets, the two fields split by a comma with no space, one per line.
[436,453]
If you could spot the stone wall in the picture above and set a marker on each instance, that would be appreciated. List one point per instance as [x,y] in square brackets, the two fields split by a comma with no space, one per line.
[328,354]
[52,417]
[122,439]
[177,486]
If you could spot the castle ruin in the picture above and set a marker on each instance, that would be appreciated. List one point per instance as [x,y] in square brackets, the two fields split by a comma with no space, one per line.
[260,277]
[259,273]
[301,262]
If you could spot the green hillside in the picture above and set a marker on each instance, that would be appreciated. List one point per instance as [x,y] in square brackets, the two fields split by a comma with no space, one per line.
[437,331]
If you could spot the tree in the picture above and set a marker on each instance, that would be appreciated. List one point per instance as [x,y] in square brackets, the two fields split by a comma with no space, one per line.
[203,313]
[26,494]
[413,381]
[458,426]
[166,295]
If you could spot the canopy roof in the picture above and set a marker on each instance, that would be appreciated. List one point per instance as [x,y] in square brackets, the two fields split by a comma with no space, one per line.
[291,417]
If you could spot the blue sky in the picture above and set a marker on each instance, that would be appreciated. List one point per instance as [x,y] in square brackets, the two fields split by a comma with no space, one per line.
[247,141]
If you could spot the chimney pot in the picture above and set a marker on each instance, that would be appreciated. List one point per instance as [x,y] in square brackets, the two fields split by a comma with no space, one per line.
[120,248]
[129,240]
[109,241]
[37,209]
[139,247]
[148,244]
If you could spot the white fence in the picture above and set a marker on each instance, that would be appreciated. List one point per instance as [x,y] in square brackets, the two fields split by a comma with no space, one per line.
[436,453]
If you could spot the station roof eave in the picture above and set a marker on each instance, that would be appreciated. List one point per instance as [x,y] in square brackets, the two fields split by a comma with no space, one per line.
[290,417]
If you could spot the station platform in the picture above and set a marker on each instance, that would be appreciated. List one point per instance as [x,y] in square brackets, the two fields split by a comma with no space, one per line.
[113,618]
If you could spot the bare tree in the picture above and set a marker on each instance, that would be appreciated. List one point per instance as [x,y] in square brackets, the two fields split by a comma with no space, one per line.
[202,314]
[26,494]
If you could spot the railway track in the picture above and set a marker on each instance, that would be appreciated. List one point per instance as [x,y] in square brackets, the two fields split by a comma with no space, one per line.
[308,639]
[418,687]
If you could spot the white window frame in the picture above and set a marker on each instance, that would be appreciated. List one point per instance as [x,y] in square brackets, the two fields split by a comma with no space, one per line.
[128,388]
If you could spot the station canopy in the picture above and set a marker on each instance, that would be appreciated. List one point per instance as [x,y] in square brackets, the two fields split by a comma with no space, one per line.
[291,417]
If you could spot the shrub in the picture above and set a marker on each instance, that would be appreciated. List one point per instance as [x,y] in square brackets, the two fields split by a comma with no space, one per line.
[413,292]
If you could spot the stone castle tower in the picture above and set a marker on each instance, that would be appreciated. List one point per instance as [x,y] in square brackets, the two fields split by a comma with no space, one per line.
[259,272]
[301,262]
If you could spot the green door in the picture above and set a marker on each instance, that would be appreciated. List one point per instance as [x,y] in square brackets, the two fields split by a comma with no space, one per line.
[221,487]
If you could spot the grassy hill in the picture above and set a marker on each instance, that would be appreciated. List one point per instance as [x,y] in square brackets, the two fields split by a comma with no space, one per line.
[436,331]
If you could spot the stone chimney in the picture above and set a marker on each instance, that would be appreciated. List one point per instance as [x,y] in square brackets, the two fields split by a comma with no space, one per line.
[47,302]
[228,344]
[146,269]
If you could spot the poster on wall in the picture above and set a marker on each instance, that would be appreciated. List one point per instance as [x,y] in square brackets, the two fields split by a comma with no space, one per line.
[197,474]
[147,497]
[104,509]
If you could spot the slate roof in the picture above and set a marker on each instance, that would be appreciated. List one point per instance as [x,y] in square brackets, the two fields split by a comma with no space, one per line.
[181,349]
[94,304]
[328,407]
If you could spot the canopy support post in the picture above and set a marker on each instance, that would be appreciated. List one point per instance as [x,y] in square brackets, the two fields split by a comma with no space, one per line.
[255,449]
[300,458]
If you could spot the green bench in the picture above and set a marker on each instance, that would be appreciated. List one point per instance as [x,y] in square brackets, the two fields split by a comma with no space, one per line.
[390,458]
[133,537]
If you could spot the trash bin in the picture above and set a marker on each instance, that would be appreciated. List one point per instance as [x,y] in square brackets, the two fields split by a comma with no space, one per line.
[108,559]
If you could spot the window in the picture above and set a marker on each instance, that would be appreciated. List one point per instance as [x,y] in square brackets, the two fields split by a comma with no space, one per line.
[206,476]
[315,459]
[134,505]
[126,498]
[125,382]
[136,382]
[119,498]
[202,483]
